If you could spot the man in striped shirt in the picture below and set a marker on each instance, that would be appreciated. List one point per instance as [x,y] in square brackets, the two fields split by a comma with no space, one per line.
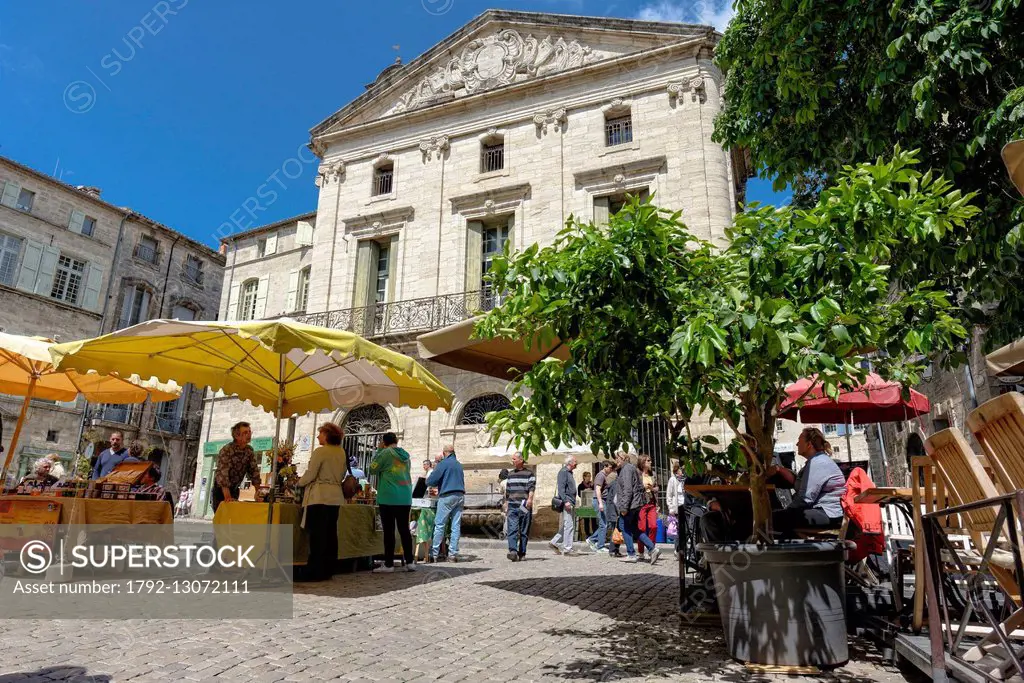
[519,488]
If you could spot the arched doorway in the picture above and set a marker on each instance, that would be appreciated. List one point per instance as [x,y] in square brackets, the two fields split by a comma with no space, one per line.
[364,426]
[476,409]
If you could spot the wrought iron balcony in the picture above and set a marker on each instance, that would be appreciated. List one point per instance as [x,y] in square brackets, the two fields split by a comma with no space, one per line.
[406,317]
[109,412]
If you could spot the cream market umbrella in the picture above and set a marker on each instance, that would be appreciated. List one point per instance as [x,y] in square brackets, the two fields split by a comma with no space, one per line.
[455,347]
[27,369]
[285,367]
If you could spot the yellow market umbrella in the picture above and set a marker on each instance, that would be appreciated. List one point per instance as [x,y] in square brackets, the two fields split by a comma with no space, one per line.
[1013,157]
[285,367]
[27,369]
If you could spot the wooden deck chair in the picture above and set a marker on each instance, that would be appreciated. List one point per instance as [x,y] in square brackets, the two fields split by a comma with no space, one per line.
[967,482]
[998,425]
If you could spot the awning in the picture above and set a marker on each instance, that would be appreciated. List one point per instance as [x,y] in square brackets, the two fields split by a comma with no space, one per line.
[1007,361]
[501,358]
[1013,157]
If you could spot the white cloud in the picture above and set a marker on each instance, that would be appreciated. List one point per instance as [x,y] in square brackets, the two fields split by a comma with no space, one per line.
[715,13]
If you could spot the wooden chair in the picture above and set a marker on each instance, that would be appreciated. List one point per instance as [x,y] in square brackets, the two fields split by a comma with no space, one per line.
[998,425]
[967,482]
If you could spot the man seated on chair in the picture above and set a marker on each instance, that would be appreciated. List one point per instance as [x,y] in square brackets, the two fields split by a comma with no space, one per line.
[817,501]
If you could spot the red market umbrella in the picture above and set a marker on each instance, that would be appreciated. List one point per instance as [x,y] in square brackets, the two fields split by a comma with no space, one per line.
[875,400]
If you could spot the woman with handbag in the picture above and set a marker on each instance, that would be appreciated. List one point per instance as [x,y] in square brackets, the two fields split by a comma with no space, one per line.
[322,498]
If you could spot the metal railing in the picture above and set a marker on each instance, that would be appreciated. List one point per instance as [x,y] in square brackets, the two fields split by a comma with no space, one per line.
[146,252]
[618,131]
[118,414]
[492,158]
[405,317]
[178,425]
[383,181]
[193,273]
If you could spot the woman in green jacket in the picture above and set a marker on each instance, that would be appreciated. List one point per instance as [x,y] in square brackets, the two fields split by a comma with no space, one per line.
[392,466]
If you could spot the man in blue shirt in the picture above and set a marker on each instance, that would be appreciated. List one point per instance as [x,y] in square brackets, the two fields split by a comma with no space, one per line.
[110,457]
[450,483]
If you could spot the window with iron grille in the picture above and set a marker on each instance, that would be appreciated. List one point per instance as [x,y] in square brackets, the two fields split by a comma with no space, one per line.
[383,179]
[67,281]
[10,249]
[145,250]
[193,269]
[618,130]
[247,301]
[492,157]
[475,412]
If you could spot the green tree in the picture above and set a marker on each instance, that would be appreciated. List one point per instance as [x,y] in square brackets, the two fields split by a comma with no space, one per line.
[660,323]
[814,85]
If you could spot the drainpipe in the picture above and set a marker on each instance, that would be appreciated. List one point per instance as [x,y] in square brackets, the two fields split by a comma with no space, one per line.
[167,274]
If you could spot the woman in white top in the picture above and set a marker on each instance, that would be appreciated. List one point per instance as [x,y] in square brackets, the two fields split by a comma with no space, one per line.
[322,498]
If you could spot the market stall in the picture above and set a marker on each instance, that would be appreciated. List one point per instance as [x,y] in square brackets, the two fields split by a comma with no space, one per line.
[358,535]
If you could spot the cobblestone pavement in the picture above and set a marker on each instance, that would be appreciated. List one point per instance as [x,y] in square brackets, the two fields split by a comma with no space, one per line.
[586,618]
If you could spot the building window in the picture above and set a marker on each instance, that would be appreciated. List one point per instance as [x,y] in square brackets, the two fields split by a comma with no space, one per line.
[180,312]
[492,155]
[247,302]
[618,130]
[475,412]
[10,249]
[302,291]
[146,249]
[25,200]
[68,280]
[79,223]
[135,308]
[88,226]
[193,269]
[52,436]
[261,247]
[830,429]
[383,179]
[383,268]
[494,239]
[779,426]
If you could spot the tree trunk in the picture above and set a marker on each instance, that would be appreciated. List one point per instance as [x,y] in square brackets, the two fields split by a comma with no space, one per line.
[760,425]
[762,506]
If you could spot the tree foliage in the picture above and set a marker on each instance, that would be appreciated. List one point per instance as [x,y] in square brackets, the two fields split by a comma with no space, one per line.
[815,85]
[659,323]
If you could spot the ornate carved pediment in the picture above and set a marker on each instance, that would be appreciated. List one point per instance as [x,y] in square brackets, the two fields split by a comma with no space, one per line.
[500,59]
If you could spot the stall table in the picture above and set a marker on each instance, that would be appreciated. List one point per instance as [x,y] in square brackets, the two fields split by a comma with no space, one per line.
[100,511]
[357,533]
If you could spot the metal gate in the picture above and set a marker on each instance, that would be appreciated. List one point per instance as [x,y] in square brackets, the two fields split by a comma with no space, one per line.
[653,437]
[362,447]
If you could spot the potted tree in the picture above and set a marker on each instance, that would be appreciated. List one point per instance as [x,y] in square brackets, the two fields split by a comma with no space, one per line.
[660,323]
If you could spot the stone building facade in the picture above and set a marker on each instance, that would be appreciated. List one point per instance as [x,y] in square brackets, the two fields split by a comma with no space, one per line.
[497,134]
[73,266]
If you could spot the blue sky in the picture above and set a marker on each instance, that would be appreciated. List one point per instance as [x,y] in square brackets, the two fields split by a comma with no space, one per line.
[180,109]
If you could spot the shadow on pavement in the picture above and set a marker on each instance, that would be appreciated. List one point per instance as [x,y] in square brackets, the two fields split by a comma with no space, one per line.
[648,638]
[74,674]
[366,584]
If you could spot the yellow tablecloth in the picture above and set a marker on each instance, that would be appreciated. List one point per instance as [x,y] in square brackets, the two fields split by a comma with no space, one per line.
[98,511]
[357,535]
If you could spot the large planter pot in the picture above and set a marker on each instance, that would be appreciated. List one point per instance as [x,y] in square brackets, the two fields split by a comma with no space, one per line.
[783,604]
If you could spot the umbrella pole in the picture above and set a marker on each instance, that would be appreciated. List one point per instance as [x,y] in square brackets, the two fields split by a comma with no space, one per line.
[268,552]
[17,428]
[849,428]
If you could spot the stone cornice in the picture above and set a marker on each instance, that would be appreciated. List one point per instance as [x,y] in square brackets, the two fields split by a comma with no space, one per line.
[491,201]
[525,113]
[620,174]
[518,91]
[380,223]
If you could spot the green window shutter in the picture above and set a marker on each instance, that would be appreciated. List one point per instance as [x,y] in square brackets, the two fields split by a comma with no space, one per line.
[293,288]
[474,255]
[366,264]
[10,196]
[76,221]
[93,284]
[602,213]
[30,266]
[47,268]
